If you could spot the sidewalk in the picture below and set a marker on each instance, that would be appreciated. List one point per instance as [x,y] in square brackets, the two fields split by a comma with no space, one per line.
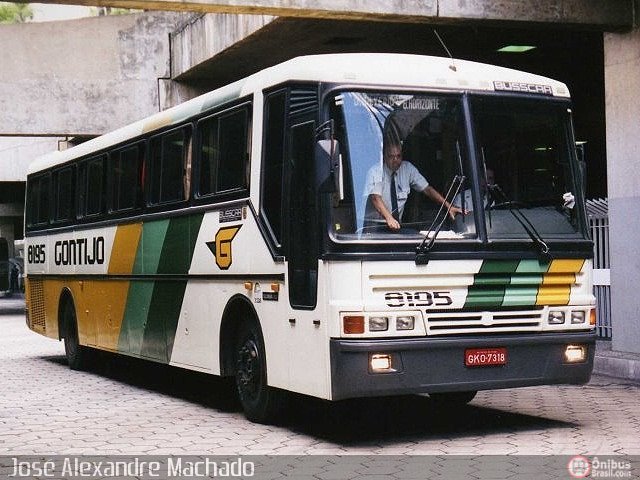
[13,305]
[616,364]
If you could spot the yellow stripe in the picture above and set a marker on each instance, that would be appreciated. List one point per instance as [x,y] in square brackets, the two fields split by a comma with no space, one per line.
[557,282]
[125,246]
[106,300]
[566,266]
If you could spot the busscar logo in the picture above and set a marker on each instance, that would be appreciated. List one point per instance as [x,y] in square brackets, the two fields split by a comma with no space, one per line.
[221,247]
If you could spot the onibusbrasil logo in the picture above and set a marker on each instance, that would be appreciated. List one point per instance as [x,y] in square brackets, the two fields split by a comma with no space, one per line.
[582,467]
[579,467]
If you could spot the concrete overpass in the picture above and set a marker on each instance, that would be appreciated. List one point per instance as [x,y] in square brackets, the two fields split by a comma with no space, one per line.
[88,76]
[612,14]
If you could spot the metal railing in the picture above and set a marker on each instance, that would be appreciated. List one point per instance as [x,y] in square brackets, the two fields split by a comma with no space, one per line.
[598,214]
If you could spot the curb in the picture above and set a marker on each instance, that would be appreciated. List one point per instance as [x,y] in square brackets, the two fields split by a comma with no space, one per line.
[616,364]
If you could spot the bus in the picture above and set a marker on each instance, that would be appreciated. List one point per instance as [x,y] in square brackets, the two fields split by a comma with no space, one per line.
[231,235]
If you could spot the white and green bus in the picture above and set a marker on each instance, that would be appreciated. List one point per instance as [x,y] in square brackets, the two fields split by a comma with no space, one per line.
[230,235]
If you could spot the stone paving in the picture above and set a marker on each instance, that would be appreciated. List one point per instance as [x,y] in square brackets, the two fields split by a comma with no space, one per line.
[125,406]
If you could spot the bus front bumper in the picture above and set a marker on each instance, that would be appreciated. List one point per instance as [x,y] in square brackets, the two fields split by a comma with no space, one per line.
[431,365]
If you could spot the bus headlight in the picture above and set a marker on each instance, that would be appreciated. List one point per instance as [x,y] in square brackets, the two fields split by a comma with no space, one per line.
[577,317]
[378,324]
[405,322]
[380,362]
[575,354]
[556,317]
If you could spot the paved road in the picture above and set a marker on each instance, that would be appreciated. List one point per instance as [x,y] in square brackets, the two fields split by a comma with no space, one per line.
[122,406]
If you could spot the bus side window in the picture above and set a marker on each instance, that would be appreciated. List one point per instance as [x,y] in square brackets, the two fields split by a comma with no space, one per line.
[91,187]
[63,191]
[224,152]
[38,201]
[124,171]
[168,166]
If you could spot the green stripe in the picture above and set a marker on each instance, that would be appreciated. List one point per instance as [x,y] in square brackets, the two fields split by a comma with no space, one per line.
[533,266]
[498,266]
[506,283]
[153,307]
[150,247]
[515,295]
[135,317]
[484,296]
[166,301]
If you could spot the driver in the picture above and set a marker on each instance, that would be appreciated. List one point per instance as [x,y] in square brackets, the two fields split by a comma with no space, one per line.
[388,187]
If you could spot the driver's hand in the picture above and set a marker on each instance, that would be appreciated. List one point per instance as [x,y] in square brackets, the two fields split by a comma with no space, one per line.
[393,224]
[456,210]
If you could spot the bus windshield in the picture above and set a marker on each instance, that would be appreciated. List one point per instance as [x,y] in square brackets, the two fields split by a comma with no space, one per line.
[524,148]
[398,148]
[412,141]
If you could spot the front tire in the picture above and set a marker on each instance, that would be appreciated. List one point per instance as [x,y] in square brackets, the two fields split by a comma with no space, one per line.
[76,353]
[260,402]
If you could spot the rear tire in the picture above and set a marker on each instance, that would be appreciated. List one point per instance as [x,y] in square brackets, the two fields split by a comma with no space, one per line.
[76,353]
[260,402]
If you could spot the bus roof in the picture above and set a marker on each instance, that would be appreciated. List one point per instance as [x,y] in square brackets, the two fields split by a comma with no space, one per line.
[379,69]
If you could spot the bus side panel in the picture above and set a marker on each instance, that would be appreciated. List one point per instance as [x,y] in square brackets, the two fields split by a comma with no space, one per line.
[228,252]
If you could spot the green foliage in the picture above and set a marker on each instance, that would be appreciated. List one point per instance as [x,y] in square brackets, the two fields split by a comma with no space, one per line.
[15,12]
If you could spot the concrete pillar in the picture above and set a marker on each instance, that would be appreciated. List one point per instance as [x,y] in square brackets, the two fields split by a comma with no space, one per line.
[622,84]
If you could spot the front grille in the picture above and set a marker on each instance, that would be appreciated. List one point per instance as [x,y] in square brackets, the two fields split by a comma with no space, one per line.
[483,322]
[36,305]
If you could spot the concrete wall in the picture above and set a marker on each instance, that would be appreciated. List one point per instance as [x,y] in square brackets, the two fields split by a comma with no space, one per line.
[609,14]
[101,73]
[622,81]
[17,152]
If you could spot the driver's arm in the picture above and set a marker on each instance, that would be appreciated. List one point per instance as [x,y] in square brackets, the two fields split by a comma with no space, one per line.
[378,204]
[434,195]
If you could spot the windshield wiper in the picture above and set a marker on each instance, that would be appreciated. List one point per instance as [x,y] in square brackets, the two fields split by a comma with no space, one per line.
[422,257]
[536,238]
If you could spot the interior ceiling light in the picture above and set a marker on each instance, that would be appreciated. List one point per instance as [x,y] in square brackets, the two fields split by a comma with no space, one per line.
[516,48]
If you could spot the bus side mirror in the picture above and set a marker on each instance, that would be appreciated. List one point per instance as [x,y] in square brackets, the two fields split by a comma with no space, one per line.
[329,167]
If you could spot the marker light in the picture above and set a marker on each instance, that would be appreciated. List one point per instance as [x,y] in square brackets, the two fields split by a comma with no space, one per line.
[354,324]
[556,317]
[380,362]
[575,354]
[577,317]
[592,317]
[405,323]
[378,324]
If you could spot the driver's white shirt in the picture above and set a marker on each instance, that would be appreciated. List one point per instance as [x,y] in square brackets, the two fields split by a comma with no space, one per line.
[379,182]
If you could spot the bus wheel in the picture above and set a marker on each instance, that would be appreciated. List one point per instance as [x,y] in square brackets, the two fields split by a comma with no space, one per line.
[76,353]
[452,399]
[260,402]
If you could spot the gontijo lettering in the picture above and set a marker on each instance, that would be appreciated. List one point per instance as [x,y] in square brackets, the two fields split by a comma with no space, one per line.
[79,251]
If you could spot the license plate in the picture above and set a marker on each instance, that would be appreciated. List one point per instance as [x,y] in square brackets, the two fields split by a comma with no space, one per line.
[485,357]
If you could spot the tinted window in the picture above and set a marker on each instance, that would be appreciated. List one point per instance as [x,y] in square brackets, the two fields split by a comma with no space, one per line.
[224,152]
[38,201]
[64,192]
[91,187]
[168,166]
[273,162]
[126,178]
